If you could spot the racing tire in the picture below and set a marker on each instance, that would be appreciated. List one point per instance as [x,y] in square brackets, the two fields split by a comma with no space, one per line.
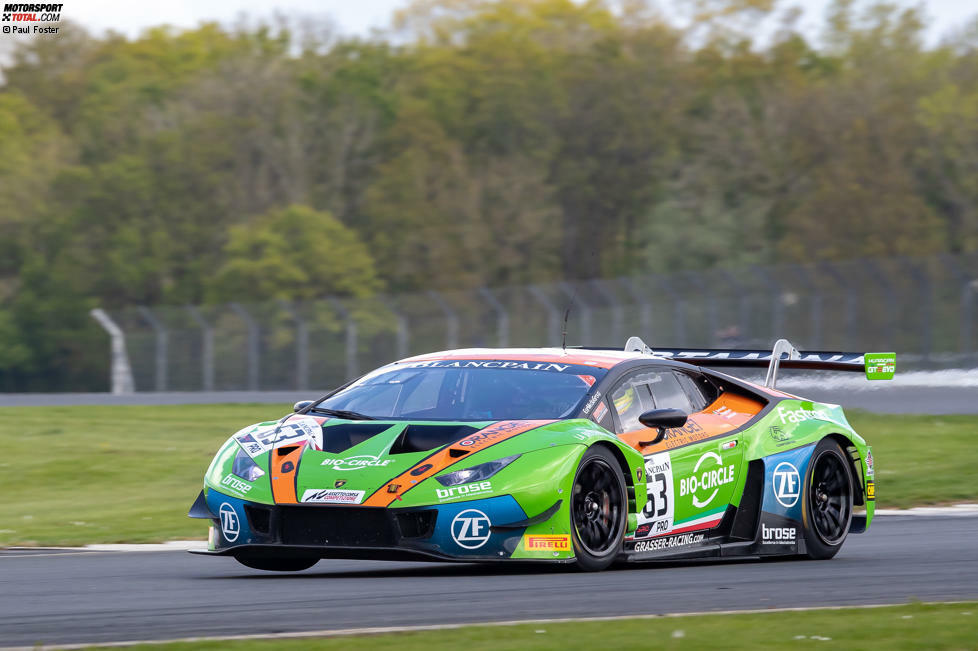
[277,564]
[598,510]
[828,500]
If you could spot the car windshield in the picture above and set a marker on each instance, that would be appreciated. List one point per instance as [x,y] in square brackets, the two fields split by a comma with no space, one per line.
[468,390]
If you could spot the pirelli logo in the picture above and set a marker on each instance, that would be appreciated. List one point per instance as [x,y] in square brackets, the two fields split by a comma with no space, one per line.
[547,543]
[870,490]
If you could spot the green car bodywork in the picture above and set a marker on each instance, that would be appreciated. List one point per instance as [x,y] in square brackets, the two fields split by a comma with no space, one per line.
[756,485]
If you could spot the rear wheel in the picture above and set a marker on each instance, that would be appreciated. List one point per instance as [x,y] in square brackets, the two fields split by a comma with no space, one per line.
[828,500]
[277,564]
[599,510]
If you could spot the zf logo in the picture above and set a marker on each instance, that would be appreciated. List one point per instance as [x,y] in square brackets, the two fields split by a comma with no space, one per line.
[229,522]
[470,529]
[787,485]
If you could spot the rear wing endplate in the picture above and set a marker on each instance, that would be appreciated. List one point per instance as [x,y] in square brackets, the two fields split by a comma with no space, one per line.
[877,366]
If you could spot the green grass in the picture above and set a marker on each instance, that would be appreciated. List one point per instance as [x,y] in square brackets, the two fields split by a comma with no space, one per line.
[77,475]
[921,459]
[916,626]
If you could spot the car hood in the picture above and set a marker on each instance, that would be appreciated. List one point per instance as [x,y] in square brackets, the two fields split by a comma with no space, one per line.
[317,460]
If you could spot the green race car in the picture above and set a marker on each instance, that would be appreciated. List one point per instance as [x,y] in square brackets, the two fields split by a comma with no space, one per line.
[583,456]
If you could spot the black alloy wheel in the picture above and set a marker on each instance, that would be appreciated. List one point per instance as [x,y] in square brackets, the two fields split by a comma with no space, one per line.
[599,510]
[829,500]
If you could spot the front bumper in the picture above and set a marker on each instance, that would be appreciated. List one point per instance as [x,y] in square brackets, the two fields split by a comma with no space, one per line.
[478,530]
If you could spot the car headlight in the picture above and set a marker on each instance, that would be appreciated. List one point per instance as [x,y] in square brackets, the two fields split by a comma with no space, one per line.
[245,467]
[476,473]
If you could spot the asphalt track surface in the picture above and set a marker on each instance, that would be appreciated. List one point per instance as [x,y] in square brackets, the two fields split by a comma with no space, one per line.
[65,597]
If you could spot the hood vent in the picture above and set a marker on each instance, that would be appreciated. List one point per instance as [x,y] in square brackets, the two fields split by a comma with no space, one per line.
[340,438]
[421,438]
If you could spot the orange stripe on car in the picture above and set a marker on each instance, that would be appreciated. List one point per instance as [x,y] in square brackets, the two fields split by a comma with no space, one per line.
[284,465]
[446,457]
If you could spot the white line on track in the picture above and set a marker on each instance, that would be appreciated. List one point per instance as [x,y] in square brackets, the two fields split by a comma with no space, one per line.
[172,545]
[954,510]
[382,630]
[933,511]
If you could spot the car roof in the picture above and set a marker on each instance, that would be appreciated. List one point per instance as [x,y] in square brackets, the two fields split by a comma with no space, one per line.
[599,358]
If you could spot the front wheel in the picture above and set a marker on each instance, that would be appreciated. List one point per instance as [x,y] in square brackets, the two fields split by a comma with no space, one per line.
[599,510]
[828,500]
[277,564]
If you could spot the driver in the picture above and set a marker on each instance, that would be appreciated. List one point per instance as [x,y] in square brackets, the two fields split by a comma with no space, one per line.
[628,405]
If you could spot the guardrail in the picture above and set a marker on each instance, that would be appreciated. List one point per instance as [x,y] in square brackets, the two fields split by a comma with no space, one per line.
[922,307]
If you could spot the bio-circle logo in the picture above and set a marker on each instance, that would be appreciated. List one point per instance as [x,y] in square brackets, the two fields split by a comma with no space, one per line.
[358,462]
[787,484]
[470,529]
[710,478]
[230,525]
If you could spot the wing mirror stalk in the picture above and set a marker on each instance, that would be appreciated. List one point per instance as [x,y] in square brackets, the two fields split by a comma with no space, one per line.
[661,420]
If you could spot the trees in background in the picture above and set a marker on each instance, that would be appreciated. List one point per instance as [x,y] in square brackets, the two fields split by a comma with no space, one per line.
[486,143]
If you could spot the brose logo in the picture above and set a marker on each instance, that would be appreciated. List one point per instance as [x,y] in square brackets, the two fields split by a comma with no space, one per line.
[464,490]
[559,543]
[706,480]
[236,484]
[778,535]
[356,463]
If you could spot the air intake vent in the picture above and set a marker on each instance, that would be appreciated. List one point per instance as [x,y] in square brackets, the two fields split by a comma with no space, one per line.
[258,518]
[417,524]
[342,526]
[421,438]
[343,436]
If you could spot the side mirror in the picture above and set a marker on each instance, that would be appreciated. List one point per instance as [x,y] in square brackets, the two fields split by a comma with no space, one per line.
[662,419]
[302,404]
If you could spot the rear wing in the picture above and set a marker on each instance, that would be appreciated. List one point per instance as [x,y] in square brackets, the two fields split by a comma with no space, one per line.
[877,366]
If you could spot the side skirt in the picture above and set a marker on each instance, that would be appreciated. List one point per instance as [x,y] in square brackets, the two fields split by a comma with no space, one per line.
[360,553]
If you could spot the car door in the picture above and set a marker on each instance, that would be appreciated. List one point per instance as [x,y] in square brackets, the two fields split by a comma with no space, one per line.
[692,473]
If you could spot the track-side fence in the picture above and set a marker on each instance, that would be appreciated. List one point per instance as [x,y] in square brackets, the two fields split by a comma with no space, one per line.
[923,308]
